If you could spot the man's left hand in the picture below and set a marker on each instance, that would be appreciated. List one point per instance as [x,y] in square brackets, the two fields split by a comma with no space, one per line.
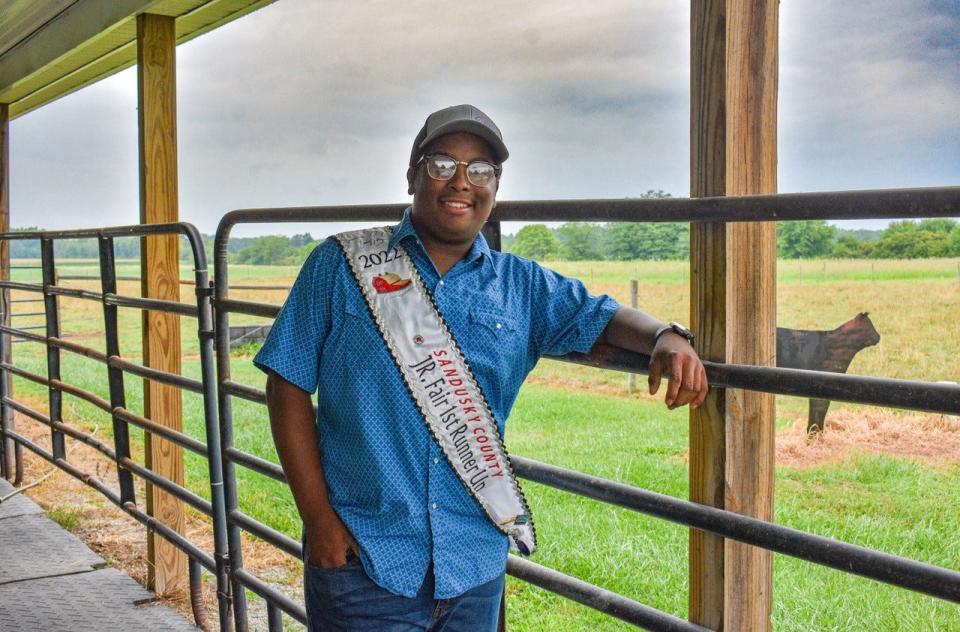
[674,357]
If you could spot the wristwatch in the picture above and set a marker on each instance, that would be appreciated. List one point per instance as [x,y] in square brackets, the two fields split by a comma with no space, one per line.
[676,328]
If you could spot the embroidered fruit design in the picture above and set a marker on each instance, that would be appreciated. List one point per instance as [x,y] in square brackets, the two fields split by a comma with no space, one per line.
[522,519]
[389,282]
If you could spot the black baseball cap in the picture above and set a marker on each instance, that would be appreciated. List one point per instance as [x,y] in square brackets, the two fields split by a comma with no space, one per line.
[459,118]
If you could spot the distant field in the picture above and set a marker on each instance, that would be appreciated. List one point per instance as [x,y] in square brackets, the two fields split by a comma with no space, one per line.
[583,419]
[913,303]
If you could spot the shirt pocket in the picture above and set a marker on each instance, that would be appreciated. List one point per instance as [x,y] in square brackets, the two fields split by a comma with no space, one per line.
[496,351]
[354,334]
[493,324]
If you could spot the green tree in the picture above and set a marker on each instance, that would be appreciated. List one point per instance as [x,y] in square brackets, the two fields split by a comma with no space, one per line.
[938,225]
[303,252]
[848,247]
[805,239]
[269,250]
[903,226]
[953,245]
[860,234]
[580,241]
[659,193]
[536,241]
[913,240]
[648,240]
[300,240]
[623,241]
[25,248]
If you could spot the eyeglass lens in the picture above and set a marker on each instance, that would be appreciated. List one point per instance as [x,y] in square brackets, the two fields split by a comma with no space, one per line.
[479,172]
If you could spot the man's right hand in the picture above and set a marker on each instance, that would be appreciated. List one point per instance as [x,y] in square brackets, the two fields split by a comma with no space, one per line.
[328,543]
[295,436]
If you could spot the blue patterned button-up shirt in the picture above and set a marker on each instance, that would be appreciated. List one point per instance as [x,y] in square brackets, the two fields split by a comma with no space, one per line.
[387,478]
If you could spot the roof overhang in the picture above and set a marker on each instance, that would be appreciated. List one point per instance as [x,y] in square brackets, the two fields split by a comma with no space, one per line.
[49,48]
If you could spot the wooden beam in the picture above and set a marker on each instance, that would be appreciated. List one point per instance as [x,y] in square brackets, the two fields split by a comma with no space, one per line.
[708,297]
[8,451]
[752,76]
[156,83]
[733,299]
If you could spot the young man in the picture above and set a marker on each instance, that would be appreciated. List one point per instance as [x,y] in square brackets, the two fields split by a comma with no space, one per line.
[417,339]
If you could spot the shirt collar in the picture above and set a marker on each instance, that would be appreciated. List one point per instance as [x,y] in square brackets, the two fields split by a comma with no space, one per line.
[479,250]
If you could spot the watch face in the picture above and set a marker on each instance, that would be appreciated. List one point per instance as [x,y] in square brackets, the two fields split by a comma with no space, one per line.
[683,331]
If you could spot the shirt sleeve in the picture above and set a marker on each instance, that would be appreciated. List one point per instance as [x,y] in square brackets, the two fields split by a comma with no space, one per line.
[292,348]
[565,316]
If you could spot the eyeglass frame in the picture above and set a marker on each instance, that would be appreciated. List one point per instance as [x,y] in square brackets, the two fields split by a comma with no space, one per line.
[497,169]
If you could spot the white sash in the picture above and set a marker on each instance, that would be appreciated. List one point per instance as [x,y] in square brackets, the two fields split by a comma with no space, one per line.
[439,379]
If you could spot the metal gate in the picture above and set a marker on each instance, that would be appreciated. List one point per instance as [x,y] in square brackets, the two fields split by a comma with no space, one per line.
[115,368]
[915,395]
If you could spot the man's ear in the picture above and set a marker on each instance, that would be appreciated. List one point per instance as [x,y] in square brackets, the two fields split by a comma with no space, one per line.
[411,181]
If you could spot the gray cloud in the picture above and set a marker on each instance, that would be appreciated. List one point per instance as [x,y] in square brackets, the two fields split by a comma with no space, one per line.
[316,103]
[869,94]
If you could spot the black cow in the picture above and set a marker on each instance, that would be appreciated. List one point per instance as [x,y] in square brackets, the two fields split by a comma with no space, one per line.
[824,351]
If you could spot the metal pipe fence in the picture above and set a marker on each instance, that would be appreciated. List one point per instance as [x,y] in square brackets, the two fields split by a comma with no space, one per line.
[87,277]
[116,367]
[915,395]
[219,390]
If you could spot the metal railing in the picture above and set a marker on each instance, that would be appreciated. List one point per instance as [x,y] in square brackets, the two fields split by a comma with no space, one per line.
[116,407]
[916,395]
[32,301]
[229,521]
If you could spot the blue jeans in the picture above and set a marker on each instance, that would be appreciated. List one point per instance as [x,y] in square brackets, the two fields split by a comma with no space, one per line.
[344,599]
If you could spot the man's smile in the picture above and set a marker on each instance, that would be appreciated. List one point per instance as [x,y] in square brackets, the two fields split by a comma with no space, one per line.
[456,206]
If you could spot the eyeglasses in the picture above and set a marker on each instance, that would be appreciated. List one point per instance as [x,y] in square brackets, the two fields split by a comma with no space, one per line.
[480,173]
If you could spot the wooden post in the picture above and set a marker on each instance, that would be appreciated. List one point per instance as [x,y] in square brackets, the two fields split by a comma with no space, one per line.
[159,257]
[7,421]
[733,299]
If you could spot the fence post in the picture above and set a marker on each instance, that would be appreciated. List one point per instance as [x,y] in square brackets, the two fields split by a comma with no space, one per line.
[160,273]
[221,331]
[118,398]
[733,109]
[632,377]
[7,449]
[52,313]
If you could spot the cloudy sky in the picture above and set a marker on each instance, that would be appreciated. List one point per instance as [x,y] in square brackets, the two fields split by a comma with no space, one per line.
[312,103]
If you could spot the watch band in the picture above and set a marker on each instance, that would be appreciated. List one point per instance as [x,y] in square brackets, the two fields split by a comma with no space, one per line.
[676,328]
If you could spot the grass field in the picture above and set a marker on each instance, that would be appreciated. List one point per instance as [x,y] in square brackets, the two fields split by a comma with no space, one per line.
[583,419]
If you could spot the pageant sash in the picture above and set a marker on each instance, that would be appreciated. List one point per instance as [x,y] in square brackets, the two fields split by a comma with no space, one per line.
[439,379]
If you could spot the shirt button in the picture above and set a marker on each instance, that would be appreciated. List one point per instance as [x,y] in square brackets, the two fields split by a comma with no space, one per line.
[499,325]
[434,505]
[441,281]
[436,459]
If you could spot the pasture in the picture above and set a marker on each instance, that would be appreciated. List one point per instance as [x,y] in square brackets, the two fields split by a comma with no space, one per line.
[899,501]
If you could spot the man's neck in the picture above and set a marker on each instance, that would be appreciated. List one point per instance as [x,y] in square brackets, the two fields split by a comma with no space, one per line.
[445,256]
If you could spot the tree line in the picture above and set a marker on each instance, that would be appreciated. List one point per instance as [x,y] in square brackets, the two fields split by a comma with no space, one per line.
[795,240]
[584,241]
[123,247]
